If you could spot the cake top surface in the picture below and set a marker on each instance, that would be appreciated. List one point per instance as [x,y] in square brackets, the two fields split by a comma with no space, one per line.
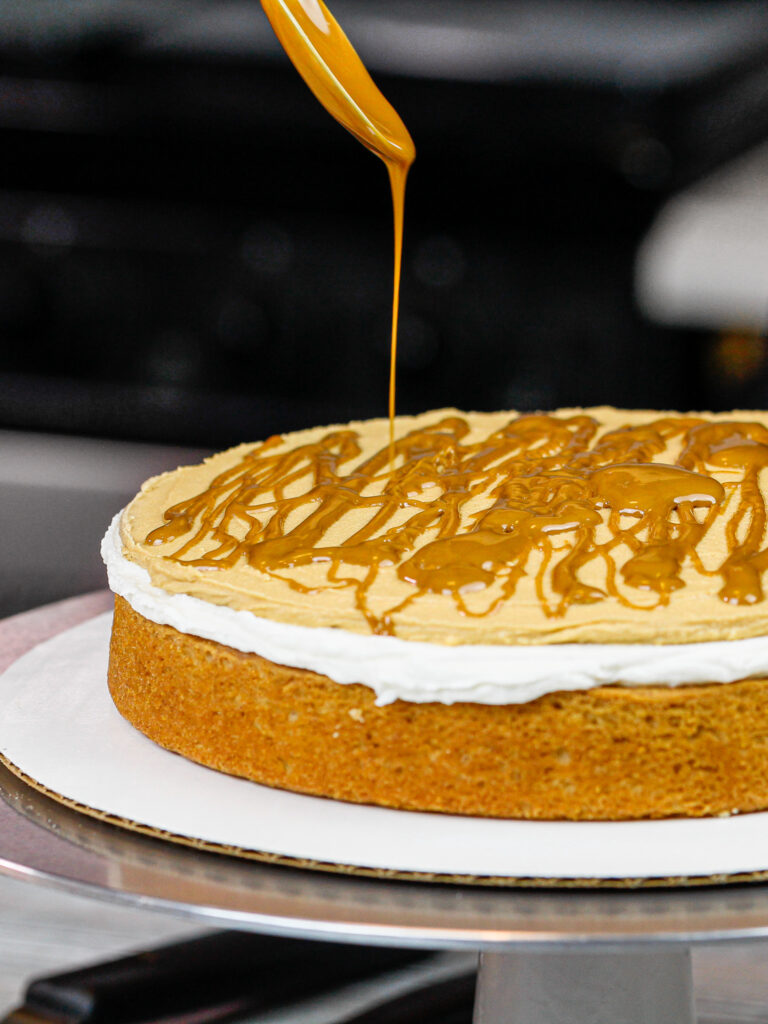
[583,525]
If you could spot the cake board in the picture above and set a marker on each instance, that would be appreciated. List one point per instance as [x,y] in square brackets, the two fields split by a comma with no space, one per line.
[547,956]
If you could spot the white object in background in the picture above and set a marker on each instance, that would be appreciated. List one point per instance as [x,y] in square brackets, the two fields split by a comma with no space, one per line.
[704,262]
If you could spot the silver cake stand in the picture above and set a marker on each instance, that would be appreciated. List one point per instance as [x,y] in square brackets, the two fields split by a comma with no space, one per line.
[584,956]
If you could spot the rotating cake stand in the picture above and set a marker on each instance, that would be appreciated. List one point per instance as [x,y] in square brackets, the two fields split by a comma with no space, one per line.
[581,956]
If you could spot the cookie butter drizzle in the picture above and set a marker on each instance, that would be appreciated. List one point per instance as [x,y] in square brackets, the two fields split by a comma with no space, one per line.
[544,495]
[329,65]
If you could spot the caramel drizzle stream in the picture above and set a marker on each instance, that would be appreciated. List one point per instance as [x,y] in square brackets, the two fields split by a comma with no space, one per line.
[328,63]
[548,496]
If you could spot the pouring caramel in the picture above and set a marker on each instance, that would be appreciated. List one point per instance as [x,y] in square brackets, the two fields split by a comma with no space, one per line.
[328,63]
[551,497]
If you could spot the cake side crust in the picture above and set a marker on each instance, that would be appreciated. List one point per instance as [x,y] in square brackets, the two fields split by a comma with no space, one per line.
[611,753]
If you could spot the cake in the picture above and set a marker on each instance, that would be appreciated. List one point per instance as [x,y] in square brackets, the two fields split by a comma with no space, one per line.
[545,616]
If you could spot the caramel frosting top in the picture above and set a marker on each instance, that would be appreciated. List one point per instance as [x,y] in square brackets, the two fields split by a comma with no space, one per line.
[583,525]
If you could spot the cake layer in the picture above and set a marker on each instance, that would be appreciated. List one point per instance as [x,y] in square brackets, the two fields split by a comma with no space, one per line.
[608,753]
[474,588]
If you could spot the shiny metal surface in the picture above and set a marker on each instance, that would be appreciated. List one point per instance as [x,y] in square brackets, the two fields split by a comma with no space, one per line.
[44,842]
[593,987]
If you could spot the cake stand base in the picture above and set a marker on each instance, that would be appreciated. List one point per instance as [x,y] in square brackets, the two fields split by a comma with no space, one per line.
[591,986]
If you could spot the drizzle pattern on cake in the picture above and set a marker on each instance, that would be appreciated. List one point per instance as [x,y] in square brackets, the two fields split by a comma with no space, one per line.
[592,515]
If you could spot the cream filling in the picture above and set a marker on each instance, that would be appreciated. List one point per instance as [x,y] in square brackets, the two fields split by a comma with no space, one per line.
[426,672]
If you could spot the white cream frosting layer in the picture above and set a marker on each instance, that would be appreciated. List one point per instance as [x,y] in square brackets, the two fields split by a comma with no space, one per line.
[424,672]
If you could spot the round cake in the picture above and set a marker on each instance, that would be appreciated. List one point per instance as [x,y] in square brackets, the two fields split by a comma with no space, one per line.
[553,616]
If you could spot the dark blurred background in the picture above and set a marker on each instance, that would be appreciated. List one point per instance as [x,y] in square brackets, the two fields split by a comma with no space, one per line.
[191,250]
[193,253]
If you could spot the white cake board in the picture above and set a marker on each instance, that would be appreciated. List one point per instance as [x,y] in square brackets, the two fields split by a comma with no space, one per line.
[60,729]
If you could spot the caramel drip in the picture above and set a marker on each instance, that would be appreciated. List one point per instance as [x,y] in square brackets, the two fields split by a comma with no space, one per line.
[329,65]
[545,495]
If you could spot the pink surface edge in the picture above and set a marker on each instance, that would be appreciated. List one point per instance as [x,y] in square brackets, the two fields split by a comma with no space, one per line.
[20,633]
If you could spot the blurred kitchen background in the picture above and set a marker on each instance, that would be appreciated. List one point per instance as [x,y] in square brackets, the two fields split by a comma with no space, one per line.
[192,253]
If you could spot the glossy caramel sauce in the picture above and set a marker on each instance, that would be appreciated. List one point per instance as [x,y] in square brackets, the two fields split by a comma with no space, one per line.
[543,495]
[329,65]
